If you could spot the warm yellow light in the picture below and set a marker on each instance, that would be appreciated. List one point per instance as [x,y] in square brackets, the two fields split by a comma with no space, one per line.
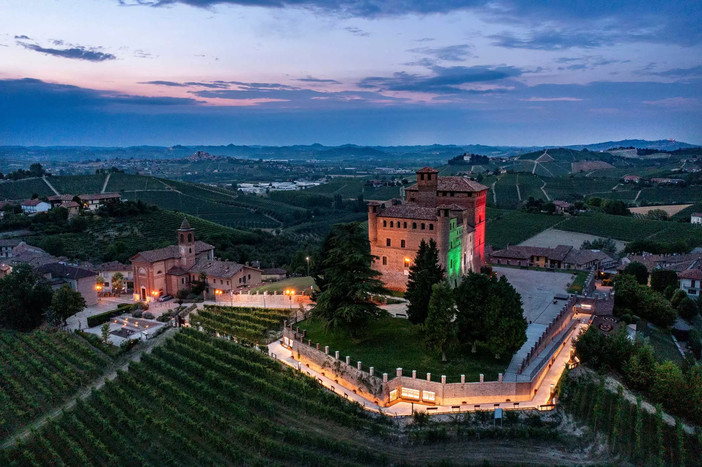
[218,292]
[98,287]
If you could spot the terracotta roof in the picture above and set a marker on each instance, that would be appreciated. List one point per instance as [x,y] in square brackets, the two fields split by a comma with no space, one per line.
[177,271]
[169,252]
[697,214]
[673,262]
[31,202]
[274,271]
[185,225]
[112,266]
[562,204]
[61,198]
[217,268]
[427,170]
[64,271]
[694,273]
[452,207]
[525,252]
[409,211]
[69,204]
[461,184]
[98,196]
[5,242]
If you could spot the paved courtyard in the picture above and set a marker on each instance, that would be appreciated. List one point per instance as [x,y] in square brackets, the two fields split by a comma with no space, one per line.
[538,289]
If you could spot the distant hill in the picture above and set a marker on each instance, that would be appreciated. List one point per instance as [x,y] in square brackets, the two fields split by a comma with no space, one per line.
[661,144]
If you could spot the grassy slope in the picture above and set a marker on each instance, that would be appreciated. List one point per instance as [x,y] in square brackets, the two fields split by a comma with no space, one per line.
[392,343]
[297,283]
[512,227]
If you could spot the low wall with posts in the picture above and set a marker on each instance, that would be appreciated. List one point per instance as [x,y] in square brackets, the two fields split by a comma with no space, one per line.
[554,328]
[384,389]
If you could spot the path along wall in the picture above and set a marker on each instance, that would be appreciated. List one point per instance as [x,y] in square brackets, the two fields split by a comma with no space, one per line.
[385,389]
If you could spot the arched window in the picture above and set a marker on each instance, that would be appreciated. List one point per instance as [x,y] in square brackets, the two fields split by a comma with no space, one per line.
[181,238]
[431,226]
[190,238]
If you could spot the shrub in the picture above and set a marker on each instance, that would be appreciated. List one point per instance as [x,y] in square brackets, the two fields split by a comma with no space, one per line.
[97,320]
[148,315]
[687,308]
[137,314]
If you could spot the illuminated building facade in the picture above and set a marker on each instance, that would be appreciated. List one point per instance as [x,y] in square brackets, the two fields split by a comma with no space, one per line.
[449,210]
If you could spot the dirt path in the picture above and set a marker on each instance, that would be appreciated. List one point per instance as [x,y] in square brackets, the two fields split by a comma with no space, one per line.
[519,193]
[637,196]
[121,363]
[107,180]
[494,193]
[548,198]
[50,185]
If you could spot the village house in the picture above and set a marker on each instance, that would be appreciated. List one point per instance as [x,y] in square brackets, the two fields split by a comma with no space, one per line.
[449,210]
[561,206]
[33,206]
[79,279]
[273,274]
[696,218]
[691,282]
[631,179]
[560,257]
[165,271]
[6,247]
[92,202]
[108,270]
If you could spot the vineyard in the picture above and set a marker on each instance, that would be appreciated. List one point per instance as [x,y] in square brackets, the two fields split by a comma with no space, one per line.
[252,324]
[40,370]
[506,227]
[199,400]
[24,189]
[78,184]
[630,430]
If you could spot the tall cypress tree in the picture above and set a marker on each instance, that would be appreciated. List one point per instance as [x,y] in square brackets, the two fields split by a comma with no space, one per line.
[424,273]
[346,280]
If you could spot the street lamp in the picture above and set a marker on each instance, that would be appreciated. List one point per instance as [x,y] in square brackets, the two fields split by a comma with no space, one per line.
[290,293]
[308,266]
[217,292]
[98,288]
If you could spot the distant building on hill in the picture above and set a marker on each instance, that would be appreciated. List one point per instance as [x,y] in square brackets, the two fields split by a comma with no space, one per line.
[691,281]
[33,206]
[449,210]
[561,206]
[165,271]
[631,179]
[696,218]
[93,201]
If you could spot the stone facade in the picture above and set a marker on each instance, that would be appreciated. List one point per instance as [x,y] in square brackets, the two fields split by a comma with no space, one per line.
[449,210]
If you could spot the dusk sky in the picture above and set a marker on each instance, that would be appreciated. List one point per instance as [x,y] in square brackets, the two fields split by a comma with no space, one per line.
[398,72]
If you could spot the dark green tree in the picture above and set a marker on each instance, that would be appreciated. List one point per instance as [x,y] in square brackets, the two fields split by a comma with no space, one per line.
[24,297]
[661,279]
[589,348]
[439,329]
[472,296]
[66,302]
[677,297]
[423,274]
[346,280]
[640,369]
[638,270]
[687,308]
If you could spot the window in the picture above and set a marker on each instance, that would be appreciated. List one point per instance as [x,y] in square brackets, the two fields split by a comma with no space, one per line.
[249,276]
[158,272]
[404,225]
[408,393]
[431,226]
[402,243]
[407,263]
[385,260]
[414,225]
[387,242]
[240,280]
[182,238]
[385,223]
[423,226]
[421,176]
[452,193]
[190,238]
[182,280]
[392,224]
[190,250]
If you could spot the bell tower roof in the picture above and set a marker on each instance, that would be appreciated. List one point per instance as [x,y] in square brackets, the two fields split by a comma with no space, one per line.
[185,225]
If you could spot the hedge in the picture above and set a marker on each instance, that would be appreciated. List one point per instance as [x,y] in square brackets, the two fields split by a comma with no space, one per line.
[97,320]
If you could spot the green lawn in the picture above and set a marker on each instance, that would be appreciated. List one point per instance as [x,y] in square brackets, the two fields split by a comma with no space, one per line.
[663,345]
[392,343]
[296,283]
[577,285]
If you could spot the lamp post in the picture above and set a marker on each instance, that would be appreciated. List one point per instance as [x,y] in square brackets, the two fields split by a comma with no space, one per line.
[98,288]
[217,294]
[290,293]
[308,266]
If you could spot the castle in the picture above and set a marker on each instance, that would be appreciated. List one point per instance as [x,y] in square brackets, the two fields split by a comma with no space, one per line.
[165,271]
[449,210]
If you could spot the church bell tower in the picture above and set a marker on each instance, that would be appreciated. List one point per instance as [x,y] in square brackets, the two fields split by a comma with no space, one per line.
[186,244]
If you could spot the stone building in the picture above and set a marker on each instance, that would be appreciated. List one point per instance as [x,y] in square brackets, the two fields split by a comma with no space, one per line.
[166,270]
[449,210]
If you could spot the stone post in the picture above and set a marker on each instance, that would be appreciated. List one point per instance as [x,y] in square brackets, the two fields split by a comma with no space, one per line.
[443,379]
[326,349]
[317,345]
[309,342]
[358,365]
[499,377]
[372,371]
[348,360]
[428,376]
[414,374]
[285,323]
[463,379]
[336,354]
[398,372]
[385,377]
[482,378]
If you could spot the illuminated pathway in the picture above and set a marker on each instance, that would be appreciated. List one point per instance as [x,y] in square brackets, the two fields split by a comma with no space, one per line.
[405,408]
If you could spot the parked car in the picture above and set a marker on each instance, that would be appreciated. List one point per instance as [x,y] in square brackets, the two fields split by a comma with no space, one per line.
[165,298]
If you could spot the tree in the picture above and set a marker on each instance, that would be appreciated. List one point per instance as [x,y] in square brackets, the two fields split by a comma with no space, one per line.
[24,297]
[36,170]
[687,308]
[346,280]
[471,302]
[638,270]
[423,274]
[639,370]
[607,245]
[661,279]
[440,331]
[657,215]
[66,302]
[669,385]
[590,347]
[117,282]
[678,296]
[105,333]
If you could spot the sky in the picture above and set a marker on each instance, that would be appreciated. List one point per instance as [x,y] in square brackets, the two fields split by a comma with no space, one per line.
[369,72]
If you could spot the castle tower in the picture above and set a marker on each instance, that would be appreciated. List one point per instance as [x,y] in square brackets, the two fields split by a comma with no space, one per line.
[443,234]
[427,183]
[373,208]
[186,244]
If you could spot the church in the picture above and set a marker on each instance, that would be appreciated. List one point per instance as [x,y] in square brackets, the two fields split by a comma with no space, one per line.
[449,210]
[165,271]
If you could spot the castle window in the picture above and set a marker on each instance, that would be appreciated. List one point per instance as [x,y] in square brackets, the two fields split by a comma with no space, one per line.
[190,238]
[431,226]
[387,242]
[182,280]
[414,225]
[392,224]
[452,193]
[423,225]
[190,250]
[407,263]
[249,276]
[421,176]
[385,223]
[181,238]
[402,243]
[404,225]
[385,260]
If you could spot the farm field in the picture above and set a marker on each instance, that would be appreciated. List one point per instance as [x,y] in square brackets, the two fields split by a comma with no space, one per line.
[629,228]
[391,343]
[120,182]
[670,209]
[551,238]
[505,227]
[252,324]
[78,184]
[40,370]
[24,189]
[234,406]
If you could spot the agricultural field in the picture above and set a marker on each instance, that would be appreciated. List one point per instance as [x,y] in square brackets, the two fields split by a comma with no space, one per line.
[199,400]
[505,227]
[252,324]
[40,370]
[353,187]
[670,209]
[124,183]
[78,184]
[24,189]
